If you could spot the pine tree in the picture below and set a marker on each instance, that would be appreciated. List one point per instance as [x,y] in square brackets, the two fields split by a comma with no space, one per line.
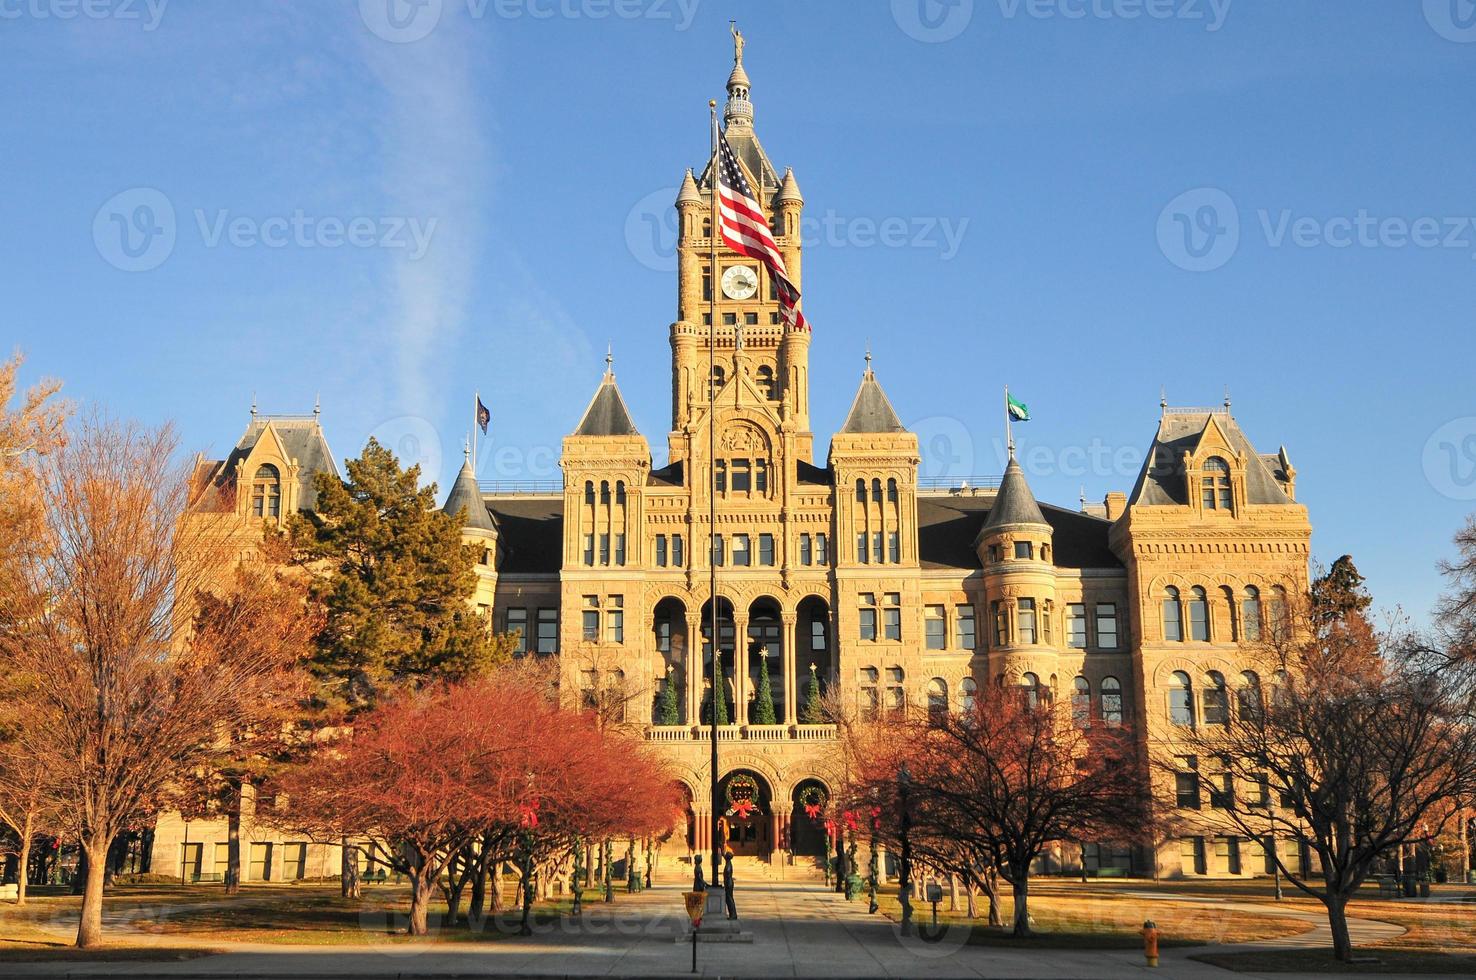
[666,707]
[394,579]
[812,713]
[721,700]
[763,705]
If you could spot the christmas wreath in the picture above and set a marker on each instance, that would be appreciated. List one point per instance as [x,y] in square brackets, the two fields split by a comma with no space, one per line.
[812,798]
[743,794]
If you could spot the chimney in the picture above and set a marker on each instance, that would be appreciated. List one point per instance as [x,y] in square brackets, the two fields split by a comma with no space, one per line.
[1115,504]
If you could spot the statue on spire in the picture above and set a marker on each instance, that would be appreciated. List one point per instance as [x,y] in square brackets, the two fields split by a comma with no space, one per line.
[738,42]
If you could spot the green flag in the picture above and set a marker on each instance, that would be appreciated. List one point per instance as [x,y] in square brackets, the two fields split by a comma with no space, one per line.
[1018,410]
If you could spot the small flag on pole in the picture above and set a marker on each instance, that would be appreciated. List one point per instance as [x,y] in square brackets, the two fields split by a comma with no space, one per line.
[1018,410]
[484,417]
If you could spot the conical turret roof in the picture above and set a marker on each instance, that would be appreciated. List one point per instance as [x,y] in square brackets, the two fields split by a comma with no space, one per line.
[1014,504]
[688,194]
[465,495]
[607,414]
[872,410]
[789,190]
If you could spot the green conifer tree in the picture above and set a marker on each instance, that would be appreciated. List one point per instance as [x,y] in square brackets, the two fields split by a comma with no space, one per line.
[721,699]
[666,707]
[763,703]
[812,713]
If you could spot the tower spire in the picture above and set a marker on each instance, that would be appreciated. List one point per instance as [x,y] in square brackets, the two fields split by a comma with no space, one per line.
[738,111]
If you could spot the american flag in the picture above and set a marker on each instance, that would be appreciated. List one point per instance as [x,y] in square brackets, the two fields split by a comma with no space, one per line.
[746,231]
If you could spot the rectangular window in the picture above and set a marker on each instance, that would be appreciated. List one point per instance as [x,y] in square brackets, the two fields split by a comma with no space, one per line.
[863,552]
[964,633]
[294,861]
[742,481]
[877,554]
[707,279]
[1221,788]
[517,622]
[720,475]
[717,550]
[678,552]
[589,549]
[620,549]
[761,475]
[729,319]
[817,636]
[822,549]
[1024,549]
[1076,625]
[1001,622]
[222,860]
[892,617]
[1106,626]
[660,551]
[1186,783]
[868,617]
[740,550]
[1025,609]
[663,635]
[615,620]
[894,548]
[766,549]
[548,631]
[806,553]
[259,867]
[935,628]
[591,619]
[1260,792]
[1191,855]
[1047,622]
[604,549]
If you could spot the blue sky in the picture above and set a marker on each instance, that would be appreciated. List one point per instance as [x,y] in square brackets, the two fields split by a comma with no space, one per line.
[1086,199]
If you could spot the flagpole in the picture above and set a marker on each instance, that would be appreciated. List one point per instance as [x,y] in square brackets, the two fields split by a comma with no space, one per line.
[1009,433]
[717,653]
[476,424]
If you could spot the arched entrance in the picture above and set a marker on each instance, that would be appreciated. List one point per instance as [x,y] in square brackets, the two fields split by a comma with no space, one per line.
[747,808]
[807,819]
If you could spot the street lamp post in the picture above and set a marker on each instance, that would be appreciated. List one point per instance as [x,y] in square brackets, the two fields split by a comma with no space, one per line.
[904,865]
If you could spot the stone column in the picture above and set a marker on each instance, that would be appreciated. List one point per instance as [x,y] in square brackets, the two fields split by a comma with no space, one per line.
[741,658]
[786,667]
[694,668]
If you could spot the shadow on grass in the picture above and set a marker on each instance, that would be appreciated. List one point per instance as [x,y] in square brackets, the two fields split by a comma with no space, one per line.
[1322,961]
[22,951]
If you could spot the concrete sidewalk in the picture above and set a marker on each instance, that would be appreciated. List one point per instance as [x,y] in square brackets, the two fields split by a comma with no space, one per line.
[800,930]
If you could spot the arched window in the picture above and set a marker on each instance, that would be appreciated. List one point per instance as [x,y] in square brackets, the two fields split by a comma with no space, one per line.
[1081,702]
[968,689]
[1111,701]
[1216,699]
[1173,616]
[620,492]
[1229,596]
[1181,699]
[1278,613]
[1280,689]
[765,381]
[589,492]
[266,492]
[891,491]
[1249,695]
[876,493]
[860,491]
[1250,614]
[1216,484]
[1199,626]
[604,491]
[1030,688]
[719,376]
[937,699]
[896,695]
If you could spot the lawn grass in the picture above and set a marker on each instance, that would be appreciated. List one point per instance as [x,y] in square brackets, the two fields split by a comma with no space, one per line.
[1321,961]
[1072,918]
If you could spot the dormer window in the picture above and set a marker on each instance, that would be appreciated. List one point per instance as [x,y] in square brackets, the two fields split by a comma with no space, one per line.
[266,492]
[1216,484]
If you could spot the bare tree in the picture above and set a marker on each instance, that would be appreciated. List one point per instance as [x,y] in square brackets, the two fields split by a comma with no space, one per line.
[1360,746]
[102,613]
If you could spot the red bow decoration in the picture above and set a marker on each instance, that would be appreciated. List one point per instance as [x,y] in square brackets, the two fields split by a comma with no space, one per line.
[812,810]
[528,814]
[876,818]
[850,820]
[743,808]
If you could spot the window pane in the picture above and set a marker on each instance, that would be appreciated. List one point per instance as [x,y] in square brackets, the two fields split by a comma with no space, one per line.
[935,628]
[965,634]
[868,624]
[766,549]
[1076,625]
[677,557]
[548,631]
[1026,611]
[1024,549]
[660,551]
[1106,626]
[822,549]
[806,555]
[893,622]
[894,548]
[517,622]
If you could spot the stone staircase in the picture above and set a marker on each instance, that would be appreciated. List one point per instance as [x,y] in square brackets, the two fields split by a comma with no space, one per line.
[804,870]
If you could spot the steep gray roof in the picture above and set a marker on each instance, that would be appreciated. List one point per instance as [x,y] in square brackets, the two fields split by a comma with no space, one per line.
[1162,482]
[303,440]
[607,414]
[1014,504]
[465,495]
[871,411]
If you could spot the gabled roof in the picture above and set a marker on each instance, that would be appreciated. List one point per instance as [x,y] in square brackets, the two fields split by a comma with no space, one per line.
[298,438]
[871,411]
[1014,503]
[1162,482]
[607,414]
[466,495]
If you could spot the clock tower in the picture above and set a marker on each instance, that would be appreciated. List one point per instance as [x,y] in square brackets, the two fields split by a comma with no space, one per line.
[756,356]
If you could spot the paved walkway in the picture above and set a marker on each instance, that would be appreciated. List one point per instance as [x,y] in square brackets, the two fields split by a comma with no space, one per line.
[799,930]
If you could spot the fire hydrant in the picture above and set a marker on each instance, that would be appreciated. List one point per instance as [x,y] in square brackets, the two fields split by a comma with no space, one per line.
[1150,942]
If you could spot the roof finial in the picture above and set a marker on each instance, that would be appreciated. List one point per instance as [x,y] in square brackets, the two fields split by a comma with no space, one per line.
[609,360]
[466,447]
[868,357]
[253,404]
[1163,399]
[1227,399]
[738,42]
[317,404]
[1083,498]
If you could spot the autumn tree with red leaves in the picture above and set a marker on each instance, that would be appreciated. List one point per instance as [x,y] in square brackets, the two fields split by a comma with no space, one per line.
[526,779]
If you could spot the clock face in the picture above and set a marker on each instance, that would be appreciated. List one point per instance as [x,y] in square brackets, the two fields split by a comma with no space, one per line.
[739,282]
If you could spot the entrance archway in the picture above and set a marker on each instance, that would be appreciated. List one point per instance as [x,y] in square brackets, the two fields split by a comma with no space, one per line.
[807,819]
[747,804]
